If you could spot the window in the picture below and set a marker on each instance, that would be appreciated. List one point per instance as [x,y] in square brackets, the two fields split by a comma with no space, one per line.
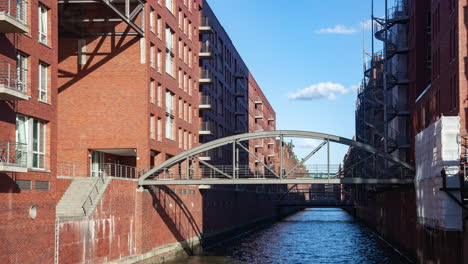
[190,85]
[179,138]
[169,115]
[152,54]
[190,113]
[159,27]
[185,139]
[43,82]
[152,92]
[181,109]
[170,5]
[151,17]
[169,51]
[159,95]
[158,129]
[32,132]
[159,61]
[21,72]
[152,126]
[43,24]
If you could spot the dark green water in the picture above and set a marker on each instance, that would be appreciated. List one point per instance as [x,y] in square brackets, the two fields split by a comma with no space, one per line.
[311,236]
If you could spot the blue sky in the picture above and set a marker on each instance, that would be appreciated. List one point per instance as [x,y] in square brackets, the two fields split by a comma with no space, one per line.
[307,57]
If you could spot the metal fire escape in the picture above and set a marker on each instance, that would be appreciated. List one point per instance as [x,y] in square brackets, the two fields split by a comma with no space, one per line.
[381,108]
[83,18]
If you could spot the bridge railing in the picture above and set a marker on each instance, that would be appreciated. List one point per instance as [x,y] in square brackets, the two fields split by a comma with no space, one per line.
[106,169]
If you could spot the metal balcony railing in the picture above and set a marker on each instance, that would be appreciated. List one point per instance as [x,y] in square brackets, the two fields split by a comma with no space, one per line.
[207,126]
[397,12]
[17,9]
[205,100]
[206,47]
[13,77]
[13,153]
[205,74]
[103,169]
[205,22]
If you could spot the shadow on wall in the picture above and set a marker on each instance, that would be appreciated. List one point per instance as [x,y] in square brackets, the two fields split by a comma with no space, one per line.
[175,223]
[8,184]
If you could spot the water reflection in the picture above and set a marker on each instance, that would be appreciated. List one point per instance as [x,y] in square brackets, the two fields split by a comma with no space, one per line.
[322,235]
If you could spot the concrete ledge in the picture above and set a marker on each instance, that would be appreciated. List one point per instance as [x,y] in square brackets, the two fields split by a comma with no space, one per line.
[164,253]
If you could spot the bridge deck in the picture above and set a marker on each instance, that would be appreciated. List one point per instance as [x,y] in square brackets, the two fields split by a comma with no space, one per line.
[223,181]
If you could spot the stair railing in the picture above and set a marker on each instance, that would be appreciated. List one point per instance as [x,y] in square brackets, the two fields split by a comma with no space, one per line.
[91,199]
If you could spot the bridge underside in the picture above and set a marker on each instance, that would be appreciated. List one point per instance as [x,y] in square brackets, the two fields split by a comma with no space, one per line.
[224,181]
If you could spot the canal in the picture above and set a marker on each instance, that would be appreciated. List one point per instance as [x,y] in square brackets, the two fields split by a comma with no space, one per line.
[325,235]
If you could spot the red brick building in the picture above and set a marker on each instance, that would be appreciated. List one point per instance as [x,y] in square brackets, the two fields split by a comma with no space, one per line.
[28,129]
[262,117]
[93,88]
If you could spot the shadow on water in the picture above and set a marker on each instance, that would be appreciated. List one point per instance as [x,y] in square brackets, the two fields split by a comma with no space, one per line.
[322,235]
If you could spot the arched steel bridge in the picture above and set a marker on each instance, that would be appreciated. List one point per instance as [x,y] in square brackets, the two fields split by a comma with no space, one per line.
[231,174]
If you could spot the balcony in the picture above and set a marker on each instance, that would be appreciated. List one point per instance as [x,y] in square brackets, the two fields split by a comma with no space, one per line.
[13,156]
[206,128]
[205,51]
[259,116]
[205,103]
[13,14]
[258,102]
[12,82]
[205,26]
[205,77]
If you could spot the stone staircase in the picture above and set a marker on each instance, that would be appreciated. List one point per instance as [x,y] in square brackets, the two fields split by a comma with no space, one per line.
[82,197]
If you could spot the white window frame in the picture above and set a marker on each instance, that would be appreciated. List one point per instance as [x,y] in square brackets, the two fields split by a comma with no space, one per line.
[21,72]
[169,51]
[33,149]
[151,18]
[43,23]
[43,86]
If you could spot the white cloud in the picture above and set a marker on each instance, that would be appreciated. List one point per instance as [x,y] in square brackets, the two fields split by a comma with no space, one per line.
[367,25]
[307,143]
[323,90]
[338,29]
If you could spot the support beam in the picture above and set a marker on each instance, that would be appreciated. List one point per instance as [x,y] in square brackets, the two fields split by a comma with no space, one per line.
[234,163]
[306,158]
[255,157]
[212,167]
[124,17]
[328,159]
[281,155]
[286,193]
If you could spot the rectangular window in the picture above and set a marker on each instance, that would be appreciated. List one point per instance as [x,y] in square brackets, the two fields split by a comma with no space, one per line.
[32,132]
[179,138]
[152,55]
[152,92]
[170,5]
[190,85]
[43,82]
[190,113]
[21,72]
[181,109]
[185,139]
[184,85]
[169,115]
[185,111]
[159,27]
[151,17]
[190,29]
[43,21]
[181,55]
[190,140]
[38,147]
[190,58]
[158,129]
[169,51]
[82,51]
[159,60]
[152,127]
[159,95]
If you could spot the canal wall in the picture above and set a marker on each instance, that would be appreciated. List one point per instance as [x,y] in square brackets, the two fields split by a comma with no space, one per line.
[392,213]
[132,224]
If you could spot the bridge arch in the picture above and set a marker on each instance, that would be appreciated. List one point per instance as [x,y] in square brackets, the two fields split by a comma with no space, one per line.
[271,134]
